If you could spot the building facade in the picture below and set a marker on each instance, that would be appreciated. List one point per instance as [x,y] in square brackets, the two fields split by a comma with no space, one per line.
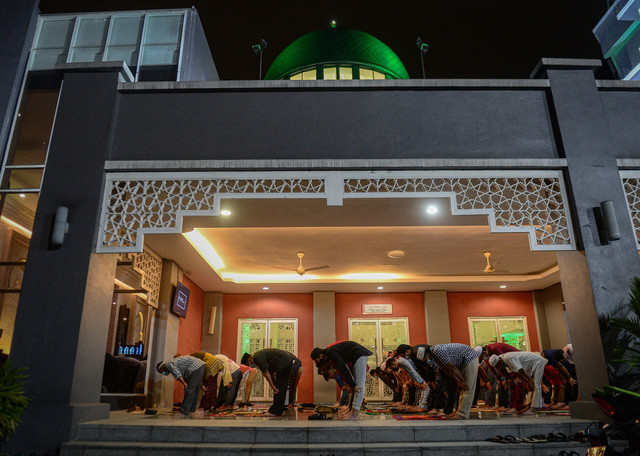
[331,168]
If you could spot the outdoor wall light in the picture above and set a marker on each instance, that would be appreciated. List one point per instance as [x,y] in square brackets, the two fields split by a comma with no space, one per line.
[257,50]
[60,226]
[610,221]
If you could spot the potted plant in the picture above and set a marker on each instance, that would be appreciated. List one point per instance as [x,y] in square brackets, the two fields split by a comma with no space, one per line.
[12,399]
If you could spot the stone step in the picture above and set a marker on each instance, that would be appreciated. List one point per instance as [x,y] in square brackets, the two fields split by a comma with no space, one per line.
[475,448]
[309,432]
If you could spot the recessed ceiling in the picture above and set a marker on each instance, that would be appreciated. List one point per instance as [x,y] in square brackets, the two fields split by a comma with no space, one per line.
[442,252]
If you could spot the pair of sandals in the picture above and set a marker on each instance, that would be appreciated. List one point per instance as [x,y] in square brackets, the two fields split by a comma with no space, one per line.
[319,416]
[568,453]
[537,438]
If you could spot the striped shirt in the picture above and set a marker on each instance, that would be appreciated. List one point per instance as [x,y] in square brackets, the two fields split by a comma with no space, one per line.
[184,366]
[457,354]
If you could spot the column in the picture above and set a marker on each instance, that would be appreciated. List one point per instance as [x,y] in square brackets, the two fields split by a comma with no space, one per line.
[165,335]
[324,333]
[212,333]
[436,313]
[62,321]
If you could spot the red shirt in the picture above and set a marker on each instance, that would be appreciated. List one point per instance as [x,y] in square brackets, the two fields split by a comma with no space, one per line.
[500,349]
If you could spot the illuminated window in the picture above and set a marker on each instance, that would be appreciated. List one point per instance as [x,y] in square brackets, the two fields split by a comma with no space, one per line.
[507,330]
[346,73]
[378,75]
[309,75]
[366,73]
[329,73]
[296,77]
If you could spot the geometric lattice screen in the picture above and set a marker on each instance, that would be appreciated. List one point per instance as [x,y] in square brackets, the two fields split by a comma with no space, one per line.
[631,185]
[533,202]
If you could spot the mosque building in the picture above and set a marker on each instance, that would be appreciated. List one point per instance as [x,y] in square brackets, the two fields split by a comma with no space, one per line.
[149,208]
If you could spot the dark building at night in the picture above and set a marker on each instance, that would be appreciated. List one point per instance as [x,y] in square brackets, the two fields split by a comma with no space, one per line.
[426,211]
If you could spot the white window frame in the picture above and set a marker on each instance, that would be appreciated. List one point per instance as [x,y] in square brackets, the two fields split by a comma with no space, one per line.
[470,321]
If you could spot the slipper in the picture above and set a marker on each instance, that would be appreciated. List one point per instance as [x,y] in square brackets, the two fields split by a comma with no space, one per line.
[557,437]
[505,439]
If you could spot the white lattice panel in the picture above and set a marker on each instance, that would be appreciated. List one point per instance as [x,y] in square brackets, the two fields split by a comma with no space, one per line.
[149,266]
[631,184]
[533,202]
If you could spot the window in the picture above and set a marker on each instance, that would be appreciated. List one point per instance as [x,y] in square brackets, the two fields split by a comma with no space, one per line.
[507,330]
[346,72]
[329,73]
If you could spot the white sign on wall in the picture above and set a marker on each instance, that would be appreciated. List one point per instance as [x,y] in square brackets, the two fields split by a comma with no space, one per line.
[377,309]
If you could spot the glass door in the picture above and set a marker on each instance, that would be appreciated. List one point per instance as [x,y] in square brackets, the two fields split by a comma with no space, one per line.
[507,330]
[379,335]
[255,335]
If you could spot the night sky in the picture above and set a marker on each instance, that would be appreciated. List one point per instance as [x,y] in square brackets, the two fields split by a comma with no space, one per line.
[467,38]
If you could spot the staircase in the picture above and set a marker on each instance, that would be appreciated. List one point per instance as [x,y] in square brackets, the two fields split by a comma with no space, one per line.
[148,435]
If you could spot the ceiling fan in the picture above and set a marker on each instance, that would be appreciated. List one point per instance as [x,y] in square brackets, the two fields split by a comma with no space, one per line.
[489,269]
[301,270]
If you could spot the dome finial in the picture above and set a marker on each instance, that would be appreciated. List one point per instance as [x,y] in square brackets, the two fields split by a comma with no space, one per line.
[333,23]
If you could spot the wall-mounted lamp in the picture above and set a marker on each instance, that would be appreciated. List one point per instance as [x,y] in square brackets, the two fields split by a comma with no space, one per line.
[424,48]
[60,226]
[610,222]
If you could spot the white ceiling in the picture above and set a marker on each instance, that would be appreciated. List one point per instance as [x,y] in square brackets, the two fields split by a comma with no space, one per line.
[442,252]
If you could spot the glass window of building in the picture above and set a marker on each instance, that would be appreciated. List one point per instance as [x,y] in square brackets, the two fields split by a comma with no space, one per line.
[346,72]
[309,75]
[329,73]
[89,40]
[366,73]
[52,43]
[124,38]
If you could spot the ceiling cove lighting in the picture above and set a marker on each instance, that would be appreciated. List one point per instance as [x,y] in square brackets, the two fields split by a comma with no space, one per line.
[205,249]
[432,210]
[258,278]
[17,226]
[225,212]
[369,276]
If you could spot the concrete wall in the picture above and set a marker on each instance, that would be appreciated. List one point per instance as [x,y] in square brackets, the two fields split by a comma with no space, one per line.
[622,110]
[386,122]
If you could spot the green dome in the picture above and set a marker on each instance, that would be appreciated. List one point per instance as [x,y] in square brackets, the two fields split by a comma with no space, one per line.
[340,46]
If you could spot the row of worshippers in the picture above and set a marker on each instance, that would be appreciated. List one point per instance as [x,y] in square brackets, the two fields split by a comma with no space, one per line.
[443,378]
[221,378]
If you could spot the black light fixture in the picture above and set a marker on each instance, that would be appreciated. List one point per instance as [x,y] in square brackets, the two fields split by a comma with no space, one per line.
[424,48]
[257,50]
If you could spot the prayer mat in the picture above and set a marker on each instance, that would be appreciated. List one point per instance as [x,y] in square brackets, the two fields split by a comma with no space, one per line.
[553,412]
[379,412]
[417,417]
[238,413]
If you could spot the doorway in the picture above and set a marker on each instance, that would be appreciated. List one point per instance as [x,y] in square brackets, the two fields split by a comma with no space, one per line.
[254,335]
[379,335]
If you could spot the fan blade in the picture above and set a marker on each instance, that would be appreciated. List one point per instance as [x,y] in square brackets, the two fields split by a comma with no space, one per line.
[286,269]
[317,267]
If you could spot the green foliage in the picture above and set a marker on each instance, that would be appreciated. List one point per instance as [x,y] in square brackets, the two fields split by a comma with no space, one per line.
[12,400]
[621,340]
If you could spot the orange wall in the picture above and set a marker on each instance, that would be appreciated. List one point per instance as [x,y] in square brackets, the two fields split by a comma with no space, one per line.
[298,306]
[411,305]
[508,304]
[190,330]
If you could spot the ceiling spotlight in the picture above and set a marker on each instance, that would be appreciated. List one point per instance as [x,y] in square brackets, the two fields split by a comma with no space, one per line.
[395,254]
[380,288]
[503,286]
[265,288]
[225,212]
[431,209]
